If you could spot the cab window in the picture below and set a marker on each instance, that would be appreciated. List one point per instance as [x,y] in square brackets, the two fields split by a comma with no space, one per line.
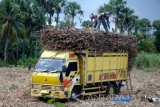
[72,66]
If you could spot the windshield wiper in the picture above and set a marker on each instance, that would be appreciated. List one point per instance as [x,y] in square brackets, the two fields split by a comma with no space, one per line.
[46,70]
[54,71]
[43,70]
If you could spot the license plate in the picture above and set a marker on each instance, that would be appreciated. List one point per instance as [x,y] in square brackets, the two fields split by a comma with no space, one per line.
[44,91]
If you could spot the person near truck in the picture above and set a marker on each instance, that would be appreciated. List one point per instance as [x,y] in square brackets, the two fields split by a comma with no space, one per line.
[102,18]
[94,20]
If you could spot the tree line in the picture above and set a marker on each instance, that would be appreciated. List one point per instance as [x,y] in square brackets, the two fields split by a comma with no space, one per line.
[21,21]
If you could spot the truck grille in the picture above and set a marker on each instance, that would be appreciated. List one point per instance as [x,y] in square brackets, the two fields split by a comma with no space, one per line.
[46,87]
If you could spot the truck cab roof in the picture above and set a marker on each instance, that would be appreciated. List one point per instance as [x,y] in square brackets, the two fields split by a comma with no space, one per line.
[58,54]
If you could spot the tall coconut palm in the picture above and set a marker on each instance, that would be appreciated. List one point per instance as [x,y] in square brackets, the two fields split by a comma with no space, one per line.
[145,26]
[67,22]
[10,24]
[58,5]
[49,10]
[34,20]
[126,20]
[72,9]
[42,4]
[114,8]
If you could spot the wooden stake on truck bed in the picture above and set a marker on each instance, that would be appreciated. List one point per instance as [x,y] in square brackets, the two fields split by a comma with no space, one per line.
[129,85]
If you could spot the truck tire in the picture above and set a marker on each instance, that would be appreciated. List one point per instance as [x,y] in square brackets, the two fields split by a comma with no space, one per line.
[74,94]
[111,90]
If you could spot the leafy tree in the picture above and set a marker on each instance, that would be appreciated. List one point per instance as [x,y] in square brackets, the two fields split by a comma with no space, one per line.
[72,9]
[146,45]
[31,14]
[52,7]
[157,40]
[156,27]
[117,6]
[11,24]
[34,20]
[59,4]
[49,10]
[126,20]
[105,8]
[86,24]
[42,3]
[144,26]
[67,22]
[121,14]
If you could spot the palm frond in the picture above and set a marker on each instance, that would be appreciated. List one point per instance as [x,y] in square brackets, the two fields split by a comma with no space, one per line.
[3,29]
[20,28]
[14,36]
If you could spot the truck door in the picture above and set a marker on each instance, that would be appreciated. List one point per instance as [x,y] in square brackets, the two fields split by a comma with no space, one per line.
[72,68]
[72,74]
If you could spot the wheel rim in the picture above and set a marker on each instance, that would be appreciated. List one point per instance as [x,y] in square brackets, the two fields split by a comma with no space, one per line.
[73,94]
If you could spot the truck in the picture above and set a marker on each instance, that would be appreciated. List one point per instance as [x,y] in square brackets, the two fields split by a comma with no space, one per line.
[70,74]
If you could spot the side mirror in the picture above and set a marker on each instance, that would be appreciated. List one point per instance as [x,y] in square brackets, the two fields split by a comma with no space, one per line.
[29,66]
[64,69]
[61,77]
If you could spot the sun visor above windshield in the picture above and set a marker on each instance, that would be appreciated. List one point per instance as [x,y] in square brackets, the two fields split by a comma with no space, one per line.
[56,54]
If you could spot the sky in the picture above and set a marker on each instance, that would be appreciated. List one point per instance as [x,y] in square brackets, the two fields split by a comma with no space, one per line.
[143,8]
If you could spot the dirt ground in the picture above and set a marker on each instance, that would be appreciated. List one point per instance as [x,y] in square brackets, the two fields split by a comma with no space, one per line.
[15,91]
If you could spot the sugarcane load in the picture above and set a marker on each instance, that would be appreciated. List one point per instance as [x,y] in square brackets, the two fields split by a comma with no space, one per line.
[81,39]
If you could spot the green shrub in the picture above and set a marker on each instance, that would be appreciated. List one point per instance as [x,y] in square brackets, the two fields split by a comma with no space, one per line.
[3,64]
[146,45]
[147,60]
[59,104]
[54,102]
[24,62]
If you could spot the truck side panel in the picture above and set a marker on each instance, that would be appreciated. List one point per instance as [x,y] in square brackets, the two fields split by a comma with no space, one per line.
[109,67]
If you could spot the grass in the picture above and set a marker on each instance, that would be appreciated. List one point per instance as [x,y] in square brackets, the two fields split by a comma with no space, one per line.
[147,61]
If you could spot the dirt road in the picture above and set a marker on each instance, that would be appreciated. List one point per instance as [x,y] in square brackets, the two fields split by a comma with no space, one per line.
[15,91]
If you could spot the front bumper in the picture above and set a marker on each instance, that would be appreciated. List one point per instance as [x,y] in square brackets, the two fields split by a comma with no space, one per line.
[49,93]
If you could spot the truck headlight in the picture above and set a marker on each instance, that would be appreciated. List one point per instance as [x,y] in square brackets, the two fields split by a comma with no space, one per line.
[34,86]
[58,88]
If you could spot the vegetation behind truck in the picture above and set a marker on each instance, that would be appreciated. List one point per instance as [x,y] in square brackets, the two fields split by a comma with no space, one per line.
[67,74]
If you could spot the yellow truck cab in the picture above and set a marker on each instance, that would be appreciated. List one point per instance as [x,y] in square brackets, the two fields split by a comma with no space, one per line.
[68,74]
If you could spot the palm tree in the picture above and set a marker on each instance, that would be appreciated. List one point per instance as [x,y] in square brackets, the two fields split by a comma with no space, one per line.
[144,26]
[126,20]
[42,4]
[67,22]
[58,5]
[49,9]
[72,9]
[105,8]
[10,24]
[114,8]
[34,20]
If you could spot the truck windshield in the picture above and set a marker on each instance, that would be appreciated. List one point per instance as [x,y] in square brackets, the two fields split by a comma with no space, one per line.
[50,65]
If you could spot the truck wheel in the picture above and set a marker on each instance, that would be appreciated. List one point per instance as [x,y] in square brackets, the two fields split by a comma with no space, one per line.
[74,94]
[111,89]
